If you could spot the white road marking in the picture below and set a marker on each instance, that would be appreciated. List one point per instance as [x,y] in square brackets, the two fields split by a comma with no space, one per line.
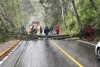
[9,54]
[1,62]
[5,58]
[86,42]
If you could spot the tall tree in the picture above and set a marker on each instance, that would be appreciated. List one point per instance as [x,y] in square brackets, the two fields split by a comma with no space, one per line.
[94,5]
[63,17]
[76,14]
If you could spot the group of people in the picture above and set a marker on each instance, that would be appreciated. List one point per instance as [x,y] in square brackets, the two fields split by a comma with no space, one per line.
[33,30]
[47,30]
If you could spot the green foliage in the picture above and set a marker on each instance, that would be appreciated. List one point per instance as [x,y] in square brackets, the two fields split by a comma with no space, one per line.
[12,15]
[52,11]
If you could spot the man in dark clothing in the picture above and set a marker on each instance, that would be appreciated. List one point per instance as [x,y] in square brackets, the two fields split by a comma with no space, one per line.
[22,28]
[32,29]
[40,30]
[46,31]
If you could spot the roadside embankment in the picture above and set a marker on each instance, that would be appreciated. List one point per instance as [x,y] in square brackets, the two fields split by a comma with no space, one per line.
[6,47]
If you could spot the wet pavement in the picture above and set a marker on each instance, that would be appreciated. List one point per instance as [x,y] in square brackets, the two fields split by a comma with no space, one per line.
[43,53]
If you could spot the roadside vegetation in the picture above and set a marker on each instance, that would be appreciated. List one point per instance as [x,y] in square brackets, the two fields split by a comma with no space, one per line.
[13,15]
[74,15]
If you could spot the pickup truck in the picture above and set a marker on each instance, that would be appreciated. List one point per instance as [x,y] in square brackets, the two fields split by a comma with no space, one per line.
[97,50]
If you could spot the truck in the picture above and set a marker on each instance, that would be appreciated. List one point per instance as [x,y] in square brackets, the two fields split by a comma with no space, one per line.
[34,27]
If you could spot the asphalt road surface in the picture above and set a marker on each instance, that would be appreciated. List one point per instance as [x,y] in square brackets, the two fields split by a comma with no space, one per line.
[51,53]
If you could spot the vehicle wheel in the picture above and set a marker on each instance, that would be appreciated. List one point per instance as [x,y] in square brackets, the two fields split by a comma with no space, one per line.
[98,54]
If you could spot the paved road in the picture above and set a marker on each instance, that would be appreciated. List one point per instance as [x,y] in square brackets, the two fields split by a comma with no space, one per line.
[52,53]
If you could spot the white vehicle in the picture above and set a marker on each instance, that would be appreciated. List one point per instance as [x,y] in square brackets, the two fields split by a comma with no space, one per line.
[97,50]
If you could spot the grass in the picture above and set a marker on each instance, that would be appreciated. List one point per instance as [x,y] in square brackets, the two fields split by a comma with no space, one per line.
[1,43]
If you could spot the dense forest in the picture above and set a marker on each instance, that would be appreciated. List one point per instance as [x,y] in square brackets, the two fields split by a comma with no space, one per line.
[72,16]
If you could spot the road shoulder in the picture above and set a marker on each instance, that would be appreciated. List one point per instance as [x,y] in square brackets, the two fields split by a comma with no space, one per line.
[7,46]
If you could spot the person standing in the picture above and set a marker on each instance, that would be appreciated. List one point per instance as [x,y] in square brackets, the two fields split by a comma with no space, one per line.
[51,29]
[57,30]
[40,30]
[22,28]
[32,29]
[46,31]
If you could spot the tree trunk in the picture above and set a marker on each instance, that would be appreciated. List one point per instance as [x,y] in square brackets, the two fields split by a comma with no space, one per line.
[94,5]
[62,8]
[76,14]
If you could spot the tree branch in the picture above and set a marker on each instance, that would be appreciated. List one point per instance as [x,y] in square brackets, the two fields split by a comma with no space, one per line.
[11,23]
[94,5]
